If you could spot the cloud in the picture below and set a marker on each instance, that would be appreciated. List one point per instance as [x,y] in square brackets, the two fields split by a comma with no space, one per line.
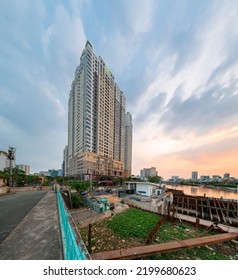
[41,47]
[176,62]
[211,159]
[216,108]
[196,65]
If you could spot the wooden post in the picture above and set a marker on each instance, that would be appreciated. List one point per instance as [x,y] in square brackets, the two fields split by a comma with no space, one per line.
[169,210]
[197,223]
[89,238]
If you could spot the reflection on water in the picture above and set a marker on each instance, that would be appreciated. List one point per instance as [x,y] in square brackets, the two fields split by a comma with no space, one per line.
[208,192]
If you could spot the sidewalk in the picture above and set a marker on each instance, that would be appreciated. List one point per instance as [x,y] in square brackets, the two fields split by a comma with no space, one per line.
[37,236]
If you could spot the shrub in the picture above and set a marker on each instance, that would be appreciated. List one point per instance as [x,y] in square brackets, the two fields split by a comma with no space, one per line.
[75,200]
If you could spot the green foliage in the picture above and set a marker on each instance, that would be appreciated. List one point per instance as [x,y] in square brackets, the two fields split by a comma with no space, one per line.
[133,223]
[155,179]
[180,231]
[79,186]
[75,200]
[46,183]
[31,179]
[4,175]
[202,253]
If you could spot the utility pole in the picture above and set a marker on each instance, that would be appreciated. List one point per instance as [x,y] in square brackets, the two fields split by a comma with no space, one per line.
[11,157]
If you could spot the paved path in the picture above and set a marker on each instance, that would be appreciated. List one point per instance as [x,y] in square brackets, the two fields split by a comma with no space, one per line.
[37,236]
[14,207]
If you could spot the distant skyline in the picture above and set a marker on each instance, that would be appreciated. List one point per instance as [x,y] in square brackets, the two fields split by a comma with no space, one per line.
[176,62]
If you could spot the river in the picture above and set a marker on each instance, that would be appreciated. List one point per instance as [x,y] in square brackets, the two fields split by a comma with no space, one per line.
[208,192]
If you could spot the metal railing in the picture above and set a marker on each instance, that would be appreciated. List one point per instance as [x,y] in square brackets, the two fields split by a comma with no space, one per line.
[73,246]
[92,204]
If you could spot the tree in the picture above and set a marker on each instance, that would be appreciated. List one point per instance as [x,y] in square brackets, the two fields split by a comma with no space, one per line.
[155,179]
[79,186]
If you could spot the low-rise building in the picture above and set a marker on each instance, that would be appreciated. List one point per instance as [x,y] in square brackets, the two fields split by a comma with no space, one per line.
[145,188]
[226,176]
[205,178]
[216,178]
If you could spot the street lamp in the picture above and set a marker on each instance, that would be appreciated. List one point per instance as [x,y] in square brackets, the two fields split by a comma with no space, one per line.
[11,157]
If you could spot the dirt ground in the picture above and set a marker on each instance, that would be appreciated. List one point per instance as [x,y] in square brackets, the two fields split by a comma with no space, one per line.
[85,216]
[112,198]
[103,239]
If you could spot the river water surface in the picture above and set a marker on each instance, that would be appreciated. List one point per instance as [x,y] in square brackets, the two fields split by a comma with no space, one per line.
[205,191]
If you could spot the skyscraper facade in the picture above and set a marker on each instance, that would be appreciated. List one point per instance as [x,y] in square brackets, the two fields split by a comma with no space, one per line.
[128,144]
[96,120]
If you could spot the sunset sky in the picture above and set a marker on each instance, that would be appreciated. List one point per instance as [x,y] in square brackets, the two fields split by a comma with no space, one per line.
[176,62]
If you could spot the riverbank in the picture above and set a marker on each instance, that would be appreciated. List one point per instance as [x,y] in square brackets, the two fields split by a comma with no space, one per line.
[207,191]
[233,189]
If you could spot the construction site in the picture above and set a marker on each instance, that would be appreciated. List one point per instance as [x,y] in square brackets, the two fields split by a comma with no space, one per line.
[165,225]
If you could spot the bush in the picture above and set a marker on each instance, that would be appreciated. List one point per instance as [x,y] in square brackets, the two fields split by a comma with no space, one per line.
[75,200]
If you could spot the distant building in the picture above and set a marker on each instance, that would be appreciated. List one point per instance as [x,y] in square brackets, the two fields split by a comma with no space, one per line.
[128,144]
[216,178]
[148,172]
[56,172]
[194,175]
[43,173]
[226,176]
[24,167]
[205,178]
[65,161]
[175,178]
[3,160]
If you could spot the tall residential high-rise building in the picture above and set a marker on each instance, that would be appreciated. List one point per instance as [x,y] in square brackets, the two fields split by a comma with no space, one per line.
[194,175]
[128,144]
[96,120]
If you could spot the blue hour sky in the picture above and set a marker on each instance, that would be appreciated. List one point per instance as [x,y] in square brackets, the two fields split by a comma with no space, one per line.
[176,62]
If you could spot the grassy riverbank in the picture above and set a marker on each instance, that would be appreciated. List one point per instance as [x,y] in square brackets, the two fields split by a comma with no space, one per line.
[131,228]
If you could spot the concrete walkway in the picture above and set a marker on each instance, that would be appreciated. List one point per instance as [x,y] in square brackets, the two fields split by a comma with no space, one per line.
[37,236]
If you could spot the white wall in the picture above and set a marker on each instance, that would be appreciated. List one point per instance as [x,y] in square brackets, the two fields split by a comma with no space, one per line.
[3,162]
[147,189]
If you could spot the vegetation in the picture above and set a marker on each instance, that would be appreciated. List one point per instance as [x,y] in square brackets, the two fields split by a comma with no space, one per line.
[155,179]
[76,201]
[20,179]
[131,228]
[180,231]
[79,186]
[209,183]
[133,223]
